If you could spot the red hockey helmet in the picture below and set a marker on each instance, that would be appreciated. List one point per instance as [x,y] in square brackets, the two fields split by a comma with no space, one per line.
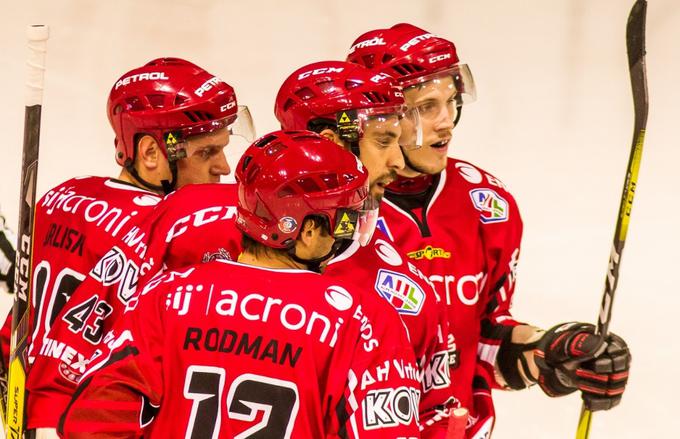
[170,96]
[412,55]
[287,175]
[345,94]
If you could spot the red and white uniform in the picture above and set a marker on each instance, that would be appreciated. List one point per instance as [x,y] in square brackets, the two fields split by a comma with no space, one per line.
[191,225]
[467,236]
[388,273]
[229,350]
[76,223]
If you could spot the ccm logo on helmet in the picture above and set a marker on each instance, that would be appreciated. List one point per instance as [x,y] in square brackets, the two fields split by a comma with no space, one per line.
[376,41]
[228,106]
[415,40]
[151,76]
[320,71]
[207,85]
[437,58]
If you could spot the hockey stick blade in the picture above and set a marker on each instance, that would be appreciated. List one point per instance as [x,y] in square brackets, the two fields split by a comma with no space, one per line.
[635,45]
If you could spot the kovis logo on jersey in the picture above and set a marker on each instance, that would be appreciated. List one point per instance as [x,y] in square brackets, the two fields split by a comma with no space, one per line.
[492,206]
[401,291]
[151,76]
[389,407]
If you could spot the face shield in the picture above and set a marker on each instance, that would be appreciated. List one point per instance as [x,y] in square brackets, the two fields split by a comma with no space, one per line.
[243,126]
[444,90]
[239,124]
[357,224]
[385,126]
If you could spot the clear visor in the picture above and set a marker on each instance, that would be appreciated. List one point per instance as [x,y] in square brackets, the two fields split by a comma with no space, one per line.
[384,126]
[461,81]
[357,225]
[243,126]
[239,124]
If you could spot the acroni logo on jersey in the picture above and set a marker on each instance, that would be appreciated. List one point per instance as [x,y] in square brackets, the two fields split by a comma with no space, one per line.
[401,291]
[494,208]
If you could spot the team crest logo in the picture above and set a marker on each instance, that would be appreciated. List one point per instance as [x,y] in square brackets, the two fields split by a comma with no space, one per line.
[402,292]
[287,224]
[492,206]
[429,253]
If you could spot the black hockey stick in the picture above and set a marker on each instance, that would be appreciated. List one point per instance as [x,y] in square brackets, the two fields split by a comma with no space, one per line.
[635,44]
[37,43]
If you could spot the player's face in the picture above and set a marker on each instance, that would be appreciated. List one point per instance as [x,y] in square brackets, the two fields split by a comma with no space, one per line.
[205,161]
[436,103]
[380,153]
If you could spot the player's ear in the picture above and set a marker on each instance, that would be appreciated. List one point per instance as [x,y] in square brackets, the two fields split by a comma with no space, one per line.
[149,152]
[332,136]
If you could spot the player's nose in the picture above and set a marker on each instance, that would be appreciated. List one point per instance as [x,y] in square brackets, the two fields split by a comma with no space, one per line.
[221,165]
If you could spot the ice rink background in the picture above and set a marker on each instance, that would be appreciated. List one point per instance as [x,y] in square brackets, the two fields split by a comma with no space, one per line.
[553,120]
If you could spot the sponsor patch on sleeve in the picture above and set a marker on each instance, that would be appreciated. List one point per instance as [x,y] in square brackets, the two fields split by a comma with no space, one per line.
[492,206]
[404,294]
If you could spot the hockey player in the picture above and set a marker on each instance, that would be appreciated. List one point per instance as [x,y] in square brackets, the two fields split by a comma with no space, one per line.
[172,120]
[364,112]
[264,347]
[465,225]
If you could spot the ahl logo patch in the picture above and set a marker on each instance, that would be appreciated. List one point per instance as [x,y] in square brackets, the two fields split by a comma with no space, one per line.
[494,208]
[401,291]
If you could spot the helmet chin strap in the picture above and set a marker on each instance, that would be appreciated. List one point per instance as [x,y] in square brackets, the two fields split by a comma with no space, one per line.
[165,187]
[315,264]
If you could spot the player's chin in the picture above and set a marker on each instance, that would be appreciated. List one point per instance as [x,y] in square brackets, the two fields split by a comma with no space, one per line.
[378,191]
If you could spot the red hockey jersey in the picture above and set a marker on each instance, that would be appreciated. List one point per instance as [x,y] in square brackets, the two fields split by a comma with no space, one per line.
[229,350]
[76,223]
[380,267]
[468,236]
[191,225]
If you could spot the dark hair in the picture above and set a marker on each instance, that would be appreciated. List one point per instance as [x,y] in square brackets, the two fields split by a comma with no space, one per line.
[258,249]
[320,124]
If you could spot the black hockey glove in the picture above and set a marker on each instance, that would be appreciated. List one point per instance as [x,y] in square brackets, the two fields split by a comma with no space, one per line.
[7,254]
[571,356]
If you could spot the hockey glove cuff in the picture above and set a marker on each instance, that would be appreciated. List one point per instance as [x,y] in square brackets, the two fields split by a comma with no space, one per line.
[571,356]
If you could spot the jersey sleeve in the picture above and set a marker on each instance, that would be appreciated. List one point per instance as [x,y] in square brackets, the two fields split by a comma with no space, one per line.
[382,390]
[76,336]
[117,397]
[502,246]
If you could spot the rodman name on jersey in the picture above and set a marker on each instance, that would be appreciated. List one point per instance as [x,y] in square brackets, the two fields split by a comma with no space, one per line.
[76,223]
[467,235]
[191,225]
[229,350]
[381,268]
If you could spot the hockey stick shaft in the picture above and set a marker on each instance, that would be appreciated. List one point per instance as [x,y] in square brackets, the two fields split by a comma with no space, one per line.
[37,43]
[635,44]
